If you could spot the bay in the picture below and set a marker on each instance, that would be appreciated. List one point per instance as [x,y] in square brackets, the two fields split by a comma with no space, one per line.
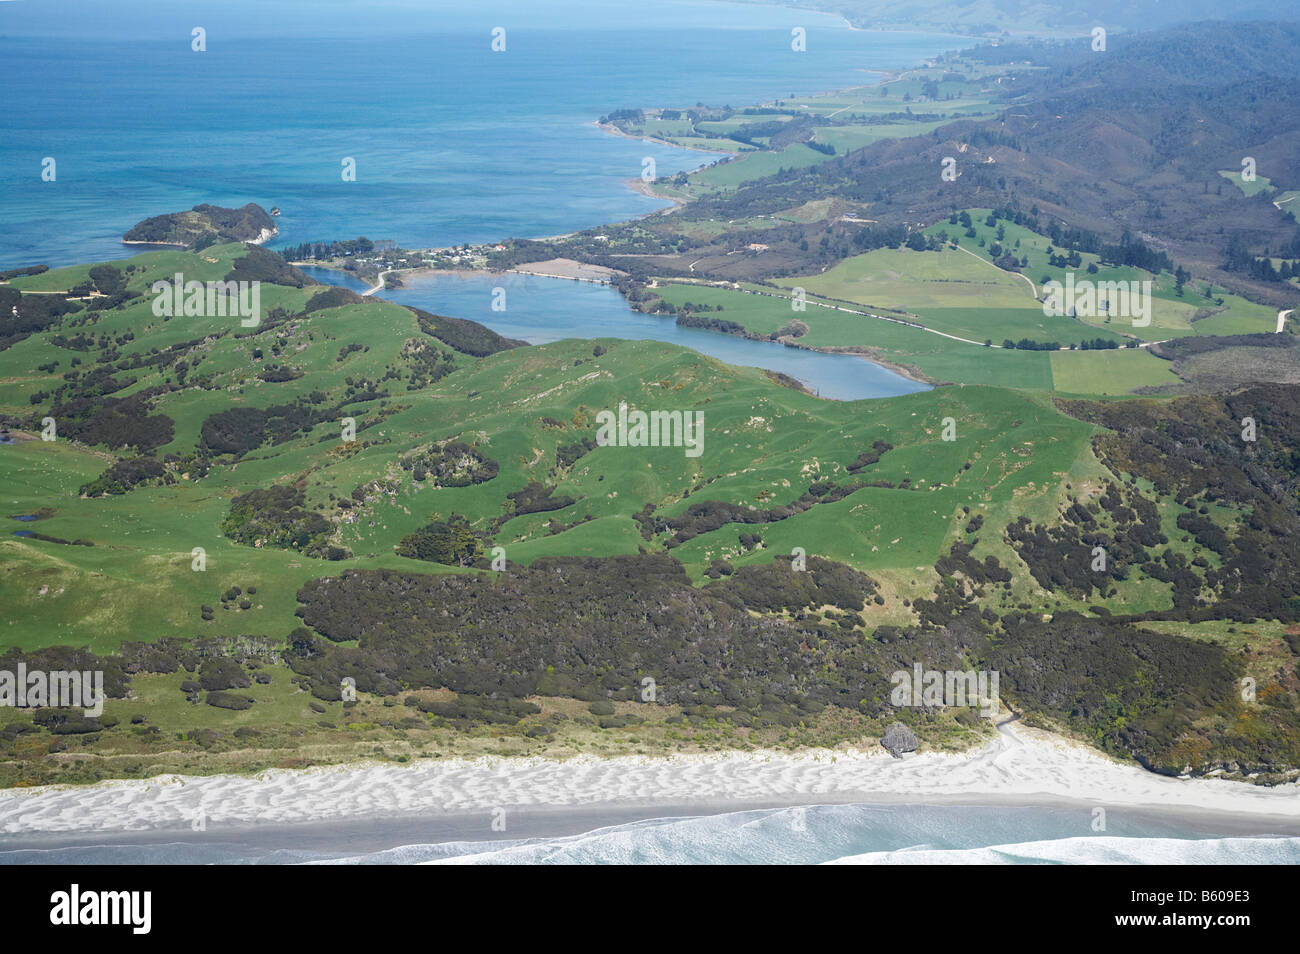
[452,142]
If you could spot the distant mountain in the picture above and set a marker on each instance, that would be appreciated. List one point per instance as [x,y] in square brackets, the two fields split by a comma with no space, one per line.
[1043,17]
[205,225]
[1134,139]
[1208,53]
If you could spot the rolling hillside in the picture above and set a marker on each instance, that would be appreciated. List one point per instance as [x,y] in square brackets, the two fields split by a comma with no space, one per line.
[235,521]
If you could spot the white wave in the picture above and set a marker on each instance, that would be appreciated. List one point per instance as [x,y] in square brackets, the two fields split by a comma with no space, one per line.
[839,834]
[1100,850]
[766,836]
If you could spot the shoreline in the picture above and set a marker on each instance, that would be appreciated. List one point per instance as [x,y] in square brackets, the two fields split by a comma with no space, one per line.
[615,131]
[641,187]
[418,274]
[907,372]
[427,837]
[263,237]
[867,353]
[638,185]
[904,371]
[1021,765]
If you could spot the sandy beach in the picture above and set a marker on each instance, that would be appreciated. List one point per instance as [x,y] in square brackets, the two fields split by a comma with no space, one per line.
[1020,765]
[567,268]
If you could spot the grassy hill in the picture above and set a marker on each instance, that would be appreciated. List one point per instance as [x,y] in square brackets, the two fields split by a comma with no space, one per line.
[216,492]
[517,407]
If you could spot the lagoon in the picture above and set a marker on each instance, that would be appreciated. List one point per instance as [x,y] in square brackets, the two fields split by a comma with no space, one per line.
[540,310]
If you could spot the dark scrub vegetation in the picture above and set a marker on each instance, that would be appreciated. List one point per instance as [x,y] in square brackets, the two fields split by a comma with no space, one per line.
[277,517]
[452,464]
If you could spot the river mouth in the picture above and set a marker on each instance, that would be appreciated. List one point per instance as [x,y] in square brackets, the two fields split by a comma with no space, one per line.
[541,310]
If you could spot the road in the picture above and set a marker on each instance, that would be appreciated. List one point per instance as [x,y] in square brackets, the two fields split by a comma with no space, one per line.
[380,286]
[1032,287]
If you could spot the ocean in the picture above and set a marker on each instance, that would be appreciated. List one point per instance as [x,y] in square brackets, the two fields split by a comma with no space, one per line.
[452,142]
[1011,834]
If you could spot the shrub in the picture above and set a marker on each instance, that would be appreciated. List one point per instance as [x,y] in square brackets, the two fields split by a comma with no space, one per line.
[228,700]
[222,672]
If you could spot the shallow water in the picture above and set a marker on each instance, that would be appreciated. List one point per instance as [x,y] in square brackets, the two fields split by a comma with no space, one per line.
[812,834]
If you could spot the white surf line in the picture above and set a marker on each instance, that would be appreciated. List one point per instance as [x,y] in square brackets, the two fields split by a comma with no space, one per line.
[1281,320]
[380,286]
[1032,287]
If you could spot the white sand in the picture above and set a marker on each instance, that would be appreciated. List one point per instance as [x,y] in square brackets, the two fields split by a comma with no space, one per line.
[1021,764]
[567,268]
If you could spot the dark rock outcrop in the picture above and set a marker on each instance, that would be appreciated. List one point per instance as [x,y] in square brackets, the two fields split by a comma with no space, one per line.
[898,739]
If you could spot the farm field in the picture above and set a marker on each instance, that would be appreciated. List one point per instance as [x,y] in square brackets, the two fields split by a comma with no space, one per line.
[913,104]
[932,355]
[1172,315]
[1253,187]
[754,165]
[1109,373]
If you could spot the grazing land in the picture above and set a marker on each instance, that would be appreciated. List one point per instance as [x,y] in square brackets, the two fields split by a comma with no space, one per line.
[353,529]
